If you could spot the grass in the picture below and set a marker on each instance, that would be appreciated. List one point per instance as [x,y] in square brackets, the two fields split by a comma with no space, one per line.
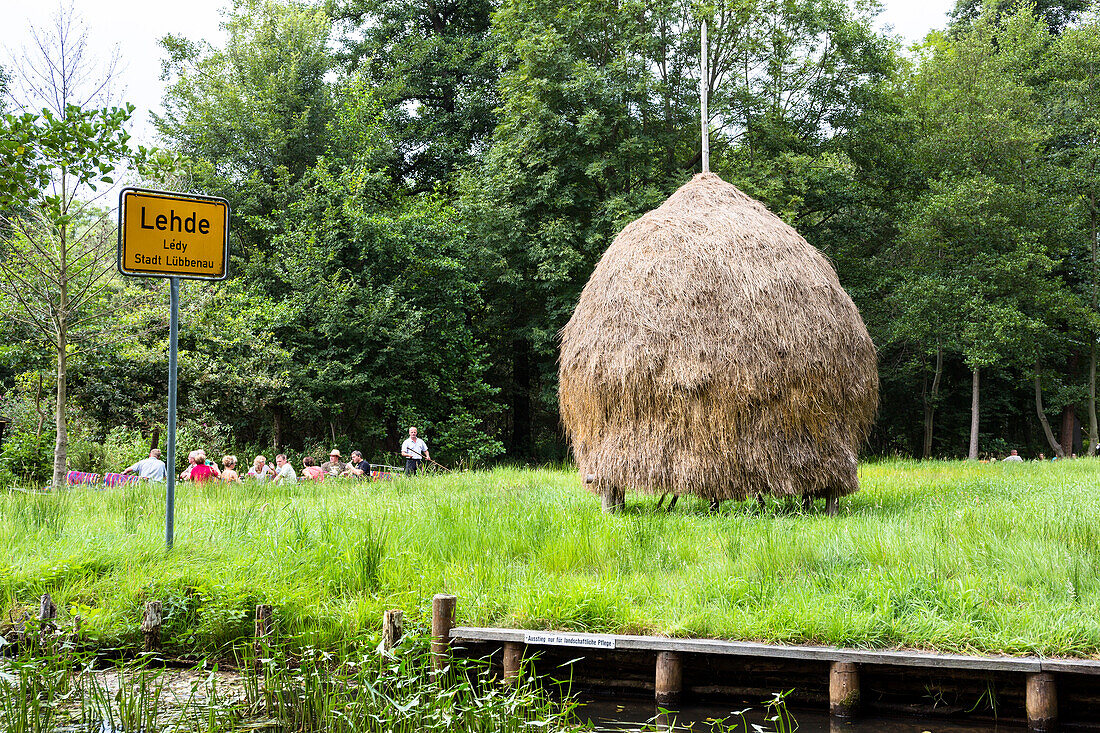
[49,690]
[958,557]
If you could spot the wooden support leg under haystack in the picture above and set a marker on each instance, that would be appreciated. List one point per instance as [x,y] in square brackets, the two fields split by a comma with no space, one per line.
[807,503]
[612,499]
[832,505]
[675,498]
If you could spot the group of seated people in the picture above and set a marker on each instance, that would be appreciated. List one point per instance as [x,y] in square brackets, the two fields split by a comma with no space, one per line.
[201,469]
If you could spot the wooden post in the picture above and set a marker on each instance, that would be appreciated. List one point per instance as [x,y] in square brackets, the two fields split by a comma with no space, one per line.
[150,625]
[1042,702]
[513,660]
[393,622]
[261,630]
[832,505]
[443,620]
[47,612]
[843,689]
[612,499]
[807,503]
[669,680]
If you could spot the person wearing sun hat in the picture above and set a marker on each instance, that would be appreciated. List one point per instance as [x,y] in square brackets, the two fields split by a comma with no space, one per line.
[335,465]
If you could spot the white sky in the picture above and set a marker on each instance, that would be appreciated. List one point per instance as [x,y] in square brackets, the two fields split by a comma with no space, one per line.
[136,25]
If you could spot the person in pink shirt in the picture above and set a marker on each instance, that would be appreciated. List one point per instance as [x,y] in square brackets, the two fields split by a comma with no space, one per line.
[311,470]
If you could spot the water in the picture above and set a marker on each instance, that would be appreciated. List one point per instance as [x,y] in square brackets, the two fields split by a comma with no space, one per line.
[609,715]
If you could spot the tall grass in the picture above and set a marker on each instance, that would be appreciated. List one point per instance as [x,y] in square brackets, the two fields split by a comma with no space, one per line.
[357,690]
[947,556]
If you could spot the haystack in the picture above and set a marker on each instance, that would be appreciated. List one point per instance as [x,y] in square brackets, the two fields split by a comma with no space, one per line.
[713,352]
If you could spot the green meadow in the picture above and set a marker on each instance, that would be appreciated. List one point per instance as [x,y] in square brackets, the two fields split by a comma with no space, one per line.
[951,556]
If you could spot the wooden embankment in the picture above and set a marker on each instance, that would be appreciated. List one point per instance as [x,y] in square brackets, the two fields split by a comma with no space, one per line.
[1049,694]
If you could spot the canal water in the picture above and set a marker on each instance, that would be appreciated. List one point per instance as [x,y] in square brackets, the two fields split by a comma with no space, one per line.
[610,716]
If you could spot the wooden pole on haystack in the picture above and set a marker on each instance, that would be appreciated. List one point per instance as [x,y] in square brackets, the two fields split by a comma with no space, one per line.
[704,83]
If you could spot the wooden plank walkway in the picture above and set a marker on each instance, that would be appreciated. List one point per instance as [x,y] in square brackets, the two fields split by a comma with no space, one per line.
[845,664]
[780,651]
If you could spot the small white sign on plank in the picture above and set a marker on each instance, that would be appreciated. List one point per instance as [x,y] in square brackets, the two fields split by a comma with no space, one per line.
[555,638]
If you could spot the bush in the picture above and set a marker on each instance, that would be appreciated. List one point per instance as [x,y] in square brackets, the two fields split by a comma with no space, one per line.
[29,459]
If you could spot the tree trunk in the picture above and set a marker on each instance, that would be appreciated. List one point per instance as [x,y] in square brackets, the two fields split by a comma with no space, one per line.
[1069,413]
[1094,432]
[61,447]
[521,399]
[276,429]
[41,414]
[1043,416]
[1094,438]
[930,405]
[1069,418]
[974,392]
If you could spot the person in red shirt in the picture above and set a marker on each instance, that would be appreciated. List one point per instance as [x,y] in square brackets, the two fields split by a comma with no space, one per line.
[200,471]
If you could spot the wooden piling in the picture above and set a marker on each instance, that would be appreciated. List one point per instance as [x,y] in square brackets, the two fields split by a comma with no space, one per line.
[393,627]
[669,681]
[261,633]
[443,620]
[843,689]
[513,660]
[150,625]
[832,505]
[1042,703]
[47,612]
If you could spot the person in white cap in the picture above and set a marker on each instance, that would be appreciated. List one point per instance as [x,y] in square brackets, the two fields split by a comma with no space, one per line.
[334,466]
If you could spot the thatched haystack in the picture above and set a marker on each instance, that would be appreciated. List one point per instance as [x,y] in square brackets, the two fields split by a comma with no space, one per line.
[713,352]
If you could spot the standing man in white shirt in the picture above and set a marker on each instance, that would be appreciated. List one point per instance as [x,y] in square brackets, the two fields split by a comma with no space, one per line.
[151,468]
[415,450]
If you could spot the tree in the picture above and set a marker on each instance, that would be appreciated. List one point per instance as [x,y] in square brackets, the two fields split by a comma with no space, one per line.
[57,261]
[1074,97]
[251,117]
[435,70]
[977,262]
[1057,14]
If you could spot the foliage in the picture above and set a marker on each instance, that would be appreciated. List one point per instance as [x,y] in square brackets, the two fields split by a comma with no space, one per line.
[420,191]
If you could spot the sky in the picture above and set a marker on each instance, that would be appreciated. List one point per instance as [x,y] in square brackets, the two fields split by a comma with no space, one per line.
[135,26]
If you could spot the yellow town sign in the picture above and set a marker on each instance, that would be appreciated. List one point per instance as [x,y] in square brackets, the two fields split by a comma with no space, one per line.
[163,234]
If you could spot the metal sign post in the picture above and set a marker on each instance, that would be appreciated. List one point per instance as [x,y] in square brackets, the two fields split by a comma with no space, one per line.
[173,332]
[172,235]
